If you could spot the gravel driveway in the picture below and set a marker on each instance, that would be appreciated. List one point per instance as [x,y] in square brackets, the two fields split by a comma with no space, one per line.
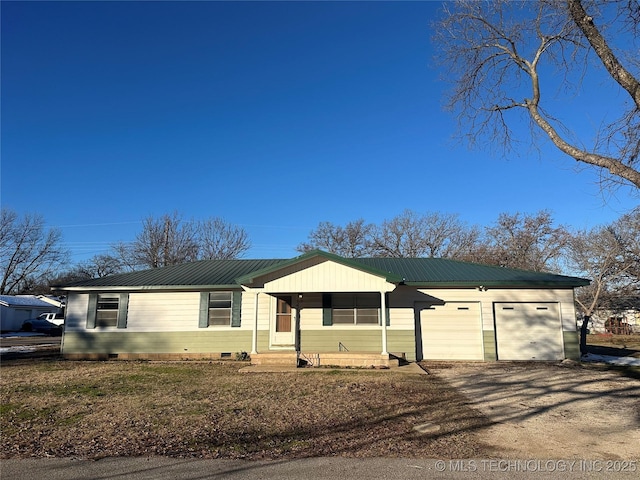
[551,411]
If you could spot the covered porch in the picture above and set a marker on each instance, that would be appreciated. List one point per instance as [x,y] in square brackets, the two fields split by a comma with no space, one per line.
[319,312]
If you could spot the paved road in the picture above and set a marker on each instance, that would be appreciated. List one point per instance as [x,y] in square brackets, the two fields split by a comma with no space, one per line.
[27,339]
[158,468]
[37,346]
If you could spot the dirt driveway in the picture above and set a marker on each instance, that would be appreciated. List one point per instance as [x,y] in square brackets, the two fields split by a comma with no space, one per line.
[550,411]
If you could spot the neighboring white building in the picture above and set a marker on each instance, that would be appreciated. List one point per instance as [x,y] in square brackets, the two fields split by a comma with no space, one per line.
[15,309]
[620,321]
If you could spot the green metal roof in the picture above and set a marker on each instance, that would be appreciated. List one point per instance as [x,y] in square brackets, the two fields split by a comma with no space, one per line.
[444,272]
[203,273]
[427,272]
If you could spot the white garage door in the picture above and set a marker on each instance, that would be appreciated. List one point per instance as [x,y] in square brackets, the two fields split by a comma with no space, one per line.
[452,332]
[528,331]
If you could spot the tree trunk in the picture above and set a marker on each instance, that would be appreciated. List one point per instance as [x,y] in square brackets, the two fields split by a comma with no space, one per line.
[623,77]
[583,334]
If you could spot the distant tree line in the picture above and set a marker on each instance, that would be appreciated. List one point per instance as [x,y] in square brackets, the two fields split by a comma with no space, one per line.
[32,257]
[530,242]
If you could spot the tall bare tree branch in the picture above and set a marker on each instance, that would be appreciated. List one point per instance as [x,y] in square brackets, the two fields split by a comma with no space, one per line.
[499,54]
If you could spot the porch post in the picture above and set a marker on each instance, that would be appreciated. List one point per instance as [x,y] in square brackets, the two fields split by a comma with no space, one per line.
[254,336]
[383,316]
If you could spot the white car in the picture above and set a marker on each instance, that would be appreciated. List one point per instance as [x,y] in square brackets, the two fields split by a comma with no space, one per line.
[55,318]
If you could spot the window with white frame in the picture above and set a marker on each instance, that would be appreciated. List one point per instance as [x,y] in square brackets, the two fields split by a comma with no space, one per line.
[220,304]
[107,309]
[356,308]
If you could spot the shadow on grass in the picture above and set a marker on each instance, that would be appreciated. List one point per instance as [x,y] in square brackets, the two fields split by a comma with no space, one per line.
[612,351]
[268,416]
[264,422]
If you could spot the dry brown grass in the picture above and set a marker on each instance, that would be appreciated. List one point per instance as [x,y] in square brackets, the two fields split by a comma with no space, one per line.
[96,409]
[629,342]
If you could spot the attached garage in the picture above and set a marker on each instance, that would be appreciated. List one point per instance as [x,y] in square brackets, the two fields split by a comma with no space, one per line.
[528,331]
[452,331]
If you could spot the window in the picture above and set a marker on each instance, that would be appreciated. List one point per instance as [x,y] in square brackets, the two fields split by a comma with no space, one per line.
[358,309]
[107,310]
[220,308]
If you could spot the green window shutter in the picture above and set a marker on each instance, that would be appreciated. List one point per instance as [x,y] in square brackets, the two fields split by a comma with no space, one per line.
[123,307]
[91,311]
[236,303]
[204,310]
[327,318]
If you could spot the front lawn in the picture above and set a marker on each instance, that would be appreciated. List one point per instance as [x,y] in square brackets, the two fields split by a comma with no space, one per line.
[59,408]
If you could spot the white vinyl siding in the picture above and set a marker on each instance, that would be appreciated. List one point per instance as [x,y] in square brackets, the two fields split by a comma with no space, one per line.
[528,331]
[76,311]
[163,311]
[328,276]
[452,331]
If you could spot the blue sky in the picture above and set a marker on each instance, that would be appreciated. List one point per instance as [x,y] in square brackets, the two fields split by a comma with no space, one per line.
[273,115]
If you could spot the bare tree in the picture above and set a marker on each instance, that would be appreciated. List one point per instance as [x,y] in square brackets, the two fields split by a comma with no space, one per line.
[169,240]
[352,241]
[431,234]
[124,255]
[219,240]
[99,266]
[529,242]
[627,230]
[407,235]
[164,241]
[609,256]
[505,57]
[29,252]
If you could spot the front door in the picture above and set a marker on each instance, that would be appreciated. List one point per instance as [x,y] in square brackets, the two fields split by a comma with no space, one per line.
[283,327]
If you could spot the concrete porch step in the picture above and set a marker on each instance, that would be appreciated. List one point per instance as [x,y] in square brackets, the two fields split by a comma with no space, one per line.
[289,358]
[326,359]
[349,359]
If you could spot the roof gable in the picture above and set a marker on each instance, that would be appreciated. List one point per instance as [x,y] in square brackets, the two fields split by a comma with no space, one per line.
[306,260]
[319,274]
